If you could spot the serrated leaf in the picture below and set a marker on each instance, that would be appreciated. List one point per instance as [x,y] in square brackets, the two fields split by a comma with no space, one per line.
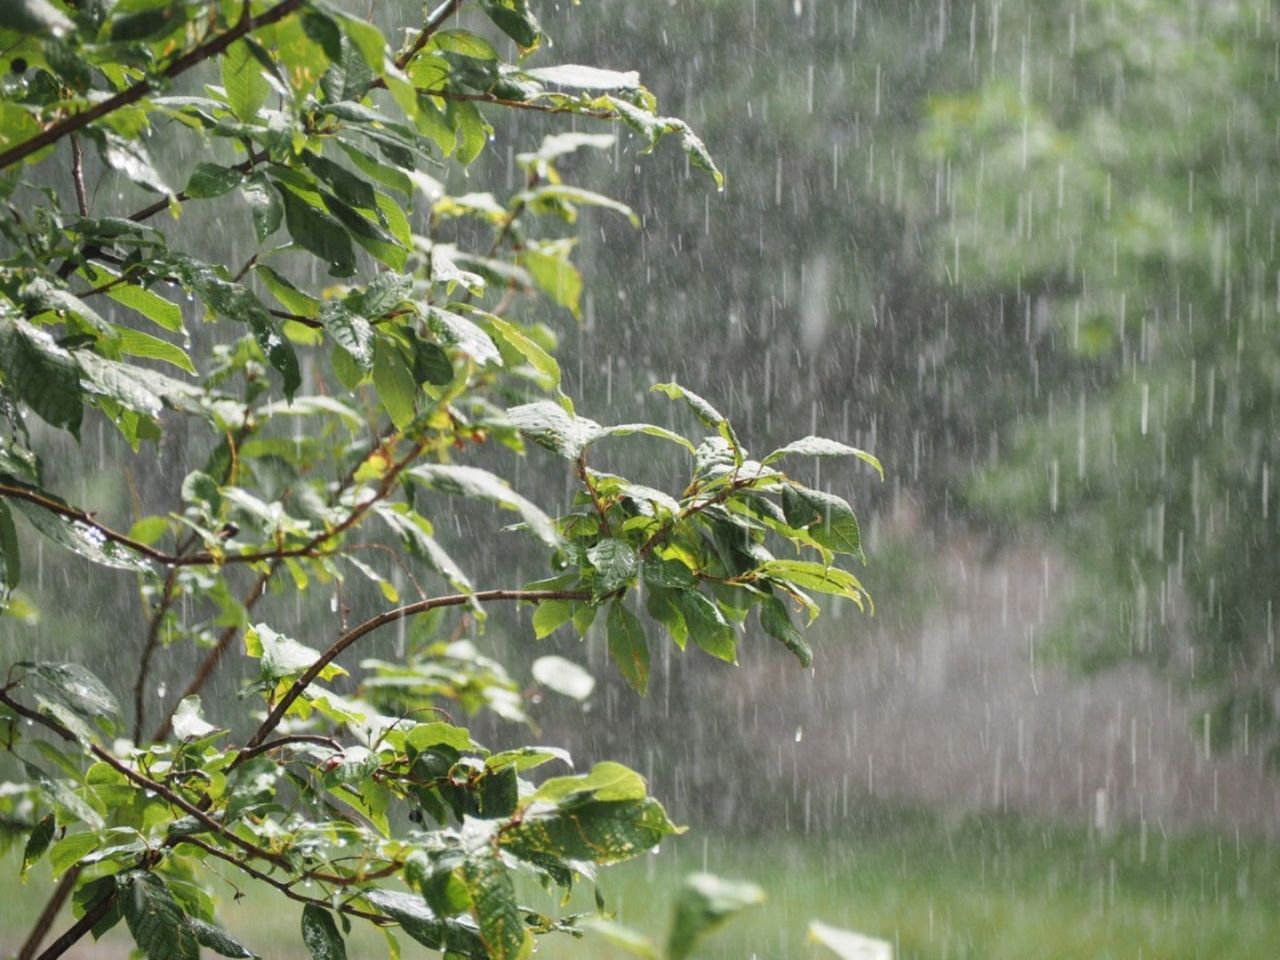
[318,233]
[550,616]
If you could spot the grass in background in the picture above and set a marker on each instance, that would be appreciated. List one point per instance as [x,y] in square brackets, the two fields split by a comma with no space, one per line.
[989,887]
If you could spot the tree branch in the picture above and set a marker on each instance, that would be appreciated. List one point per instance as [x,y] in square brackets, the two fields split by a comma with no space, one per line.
[212,48]
[381,620]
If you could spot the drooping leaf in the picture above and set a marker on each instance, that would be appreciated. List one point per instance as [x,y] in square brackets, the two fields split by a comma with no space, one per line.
[158,924]
[320,934]
[45,376]
[628,647]
[494,906]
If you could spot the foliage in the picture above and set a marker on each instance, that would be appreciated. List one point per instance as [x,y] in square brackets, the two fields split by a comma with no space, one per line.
[344,421]
[1136,214]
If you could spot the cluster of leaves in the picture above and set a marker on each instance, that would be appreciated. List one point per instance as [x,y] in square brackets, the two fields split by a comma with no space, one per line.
[358,800]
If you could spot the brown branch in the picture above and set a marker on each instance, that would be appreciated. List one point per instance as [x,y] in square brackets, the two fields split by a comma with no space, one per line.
[381,620]
[585,477]
[292,739]
[44,922]
[82,926]
[214,656]
[77,176]
[434,23]
[283,887]
[167,595]
[212,48]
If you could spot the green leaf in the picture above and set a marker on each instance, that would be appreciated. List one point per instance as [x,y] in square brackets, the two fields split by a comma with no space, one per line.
[627,645]
[516,20]
[551,270]
[599,831]
[466,43]
[828,519]
[10,557]
[83,540]
[615,563]
[246,88]
[320,934]
[551,615]
[212,180]
[38,842]
[264,205]
[397,389]
[219,941]
[814,576]
[352,332]
[564,677]
[43,375]
[822,447]
[703,903]
[776,622]
[70,850]
[158,924]
[606,781]
[317,232]
[419,922]
[134,343]
[622,937]
[468,337]
[707,626]
[705,412]
[493,904]
[660,603]
[283,656]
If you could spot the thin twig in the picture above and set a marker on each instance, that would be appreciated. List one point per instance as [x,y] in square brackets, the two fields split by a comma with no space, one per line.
[381,620]
[77,176]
